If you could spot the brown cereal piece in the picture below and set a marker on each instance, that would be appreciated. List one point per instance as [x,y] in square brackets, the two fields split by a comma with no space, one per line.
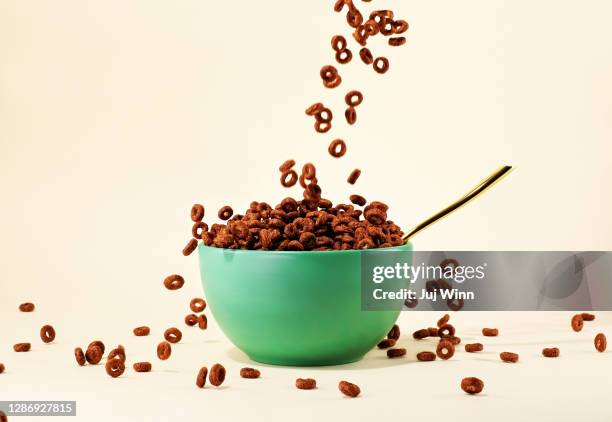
[394,333]
[250,373]
[289,178]
[313,110]
[164,350]
[375,216]
[550,352]
[142,366]
[174,281]
[396,353]
[344,56]
[198,229]
[446,330]
[201,378]
[333,84]
[509,357]
[93,354]
[587,317]
[472,385]
[601,343]
[141,331]
[337,148]
[27,307]
[79,355]
[386,343]
[366,56]
[190,247]
[354,176]
[288,164]
[197,213]
[400,26]
[381,65]
[2,368]
[354,18]
[306,383]
[114,367]
[191,320]
[353,98]
[474,347]
[445,349]
[225,212]
[322,127]
[197,305]
[350,115]
[339,5]
[203,322]
[421,334]
[338,43]
[22,347]
[358,200]
[397,41]
[426,356]
[47,333]
[349,389]
[173,335]
[97,343]
[577,322]
[328,73]
[309,171]
[453,339]
[217,374]
[433,331]
[490,332]
[117,353]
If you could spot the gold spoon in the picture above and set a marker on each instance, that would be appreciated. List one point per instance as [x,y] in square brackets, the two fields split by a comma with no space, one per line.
[480,188]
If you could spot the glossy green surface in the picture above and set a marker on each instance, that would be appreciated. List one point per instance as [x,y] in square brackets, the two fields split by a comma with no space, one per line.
[293,308]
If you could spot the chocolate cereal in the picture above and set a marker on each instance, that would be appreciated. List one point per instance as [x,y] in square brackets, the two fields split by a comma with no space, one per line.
[142,366]
[114,367]
[601,343]
[250,373]
[445,349]
[174,281]
[426,356]
[197,305]
[217,374]
[396,353]
[509,357]
[306,383]
[577,322]
[26,307]
[22,347]
[141,331]
[79,355]
[349,389]
[47,333]
[173,335]
[164,350]
[474,347]
[354,176]
[490,332]
[550,352]
[201,378]
[337,148]
[472,385]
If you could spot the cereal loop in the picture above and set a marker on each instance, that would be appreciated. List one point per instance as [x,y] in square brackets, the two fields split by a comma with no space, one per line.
[197,213]
[289,178]
[337,148]
[47,333]
[381,65]
[174,282]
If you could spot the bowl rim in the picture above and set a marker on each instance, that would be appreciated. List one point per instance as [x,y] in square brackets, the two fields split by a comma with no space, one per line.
[405,247]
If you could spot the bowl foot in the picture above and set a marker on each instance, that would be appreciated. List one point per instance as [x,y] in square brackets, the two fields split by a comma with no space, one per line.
[311,361]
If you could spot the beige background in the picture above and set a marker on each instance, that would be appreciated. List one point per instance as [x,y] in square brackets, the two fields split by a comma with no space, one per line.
[115,116]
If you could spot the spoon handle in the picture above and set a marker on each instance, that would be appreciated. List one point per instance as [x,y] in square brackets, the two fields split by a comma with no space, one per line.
[480,188]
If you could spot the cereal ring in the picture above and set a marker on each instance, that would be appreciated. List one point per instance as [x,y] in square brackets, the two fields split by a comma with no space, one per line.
[309,171]
[310,111]
[339,5]
[577,322]
[509,357]
[173,335]
[474,347]
[250,373]
[198,229]
[94,354]
[354,176]
[353,98]
[117,353]
[293,177]
[366,56]
[201,378]
[426,356]
[420,334]
[337,148]
[217,374]
[164,350]
[47,333]
[552,352]
[97,343]
[375,216]
[306,383]
[601,343]
[386,27]
[344,56]
[442,321]
[287,165]
[26,307]
[328,73]
[22,347]
[191,320]
[447,330]
[141,331]
[381,65]
[324,115]
[351,115]
[190,247]
[397,41]
[349,389]
[197,212]
[371,28]
[472,385]
[338,43]
[386,343]
[202,322]
[394,333]
[445,349]
[322,127]
[354,18]
[79,356]
[358,200]
[490,332]
[396,353]
[142,366]
[400,26]
[174,282]
[197,305]
[114,367]
[225,212]
[334,83]
[587,316]
[361,35]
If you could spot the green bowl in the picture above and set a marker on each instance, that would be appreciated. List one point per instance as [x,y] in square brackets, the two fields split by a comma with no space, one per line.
[293,308]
